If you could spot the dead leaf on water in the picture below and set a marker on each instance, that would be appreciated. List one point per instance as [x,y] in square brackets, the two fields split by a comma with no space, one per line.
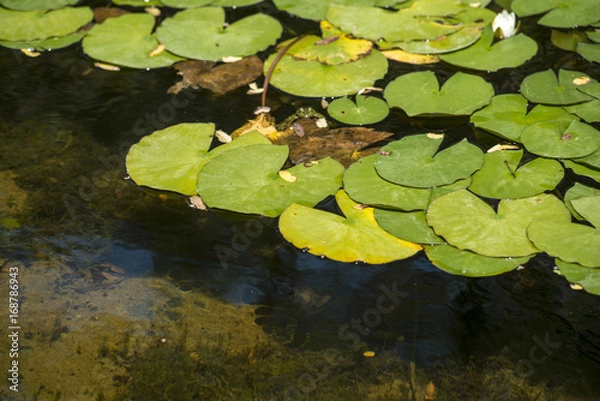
[220,79]
[264,123]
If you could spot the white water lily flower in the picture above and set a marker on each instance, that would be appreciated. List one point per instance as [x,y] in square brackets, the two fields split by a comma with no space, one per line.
[507,24]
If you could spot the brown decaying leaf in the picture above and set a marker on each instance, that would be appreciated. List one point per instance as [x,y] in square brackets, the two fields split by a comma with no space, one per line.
[346,144]
[220,79]
[264,123]
[103,13]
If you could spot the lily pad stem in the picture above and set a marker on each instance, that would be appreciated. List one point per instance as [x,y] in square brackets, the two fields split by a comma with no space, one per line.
[263,102]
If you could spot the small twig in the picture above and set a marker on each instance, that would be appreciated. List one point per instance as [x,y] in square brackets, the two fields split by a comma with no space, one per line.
[280,54]
[510,169]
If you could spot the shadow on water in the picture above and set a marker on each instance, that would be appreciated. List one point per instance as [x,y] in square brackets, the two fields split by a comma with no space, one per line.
[129,294]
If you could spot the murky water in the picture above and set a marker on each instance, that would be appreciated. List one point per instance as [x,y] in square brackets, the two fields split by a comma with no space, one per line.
[127,293]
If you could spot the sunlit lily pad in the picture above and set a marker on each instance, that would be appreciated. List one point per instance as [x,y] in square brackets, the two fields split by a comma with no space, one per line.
[592,160]
[353,238]
[138,3]
[28,5]
[419,93]
[571,242]
[201,33]
[488,56]
[581,169]
[579,191]
[127,41]
[364,185]
[46,44]
[561,139]
[409,226]
[588,111]
[465,263]
[588,278]
[255,185]
[185,3]
[544,87]
[42,24]
[560,13]
[366,110]
[406,24]
[410,58]
[501,177]
[170,159]
[467,222]
[507,117]
[414,161]
[436,192]
[331,50]
[292,75]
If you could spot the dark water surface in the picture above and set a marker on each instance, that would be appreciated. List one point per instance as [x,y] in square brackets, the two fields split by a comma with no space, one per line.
[127,293]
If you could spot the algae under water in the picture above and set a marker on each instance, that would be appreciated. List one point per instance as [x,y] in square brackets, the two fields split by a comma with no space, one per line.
[128,294]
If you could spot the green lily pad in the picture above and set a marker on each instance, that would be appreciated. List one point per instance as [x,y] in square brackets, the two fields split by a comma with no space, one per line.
[138,3]
[200,33]
[29,5]
[589,51]
[561,139]
[127,41]
[46,44]
[465,263]
[317,9]
[412,161]
[436,192]
[170,159]
[507,117]
[589,208]
[364,185]
[393,26]
[256,186]
[467,222]
[579,191]
[186,3]
[544,87]
[592,160]
[588,111]
[488,56]
[235,3]
[559,13]
[581,169]
[291,75]
[571,242]
[502,178]
[42,24]
[353,238]
[473,21]
[419,93]
[366,110]
[409,226]
[588,278]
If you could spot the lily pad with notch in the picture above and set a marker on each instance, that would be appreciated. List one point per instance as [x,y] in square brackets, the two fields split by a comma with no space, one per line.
[468,223]
[409,226]
[127,41]
[571,242]
[419,93]
[501,177]
[561,139]
[353,238]
[485,55]
[366,110]
[202,34]
[364,185]
[255,184]
[559,13]
[465,263]
[507,117]
[42,24]
[414,161]
[544,87]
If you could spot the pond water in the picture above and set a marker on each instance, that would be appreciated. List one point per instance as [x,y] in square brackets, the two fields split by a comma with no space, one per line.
[128,294]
